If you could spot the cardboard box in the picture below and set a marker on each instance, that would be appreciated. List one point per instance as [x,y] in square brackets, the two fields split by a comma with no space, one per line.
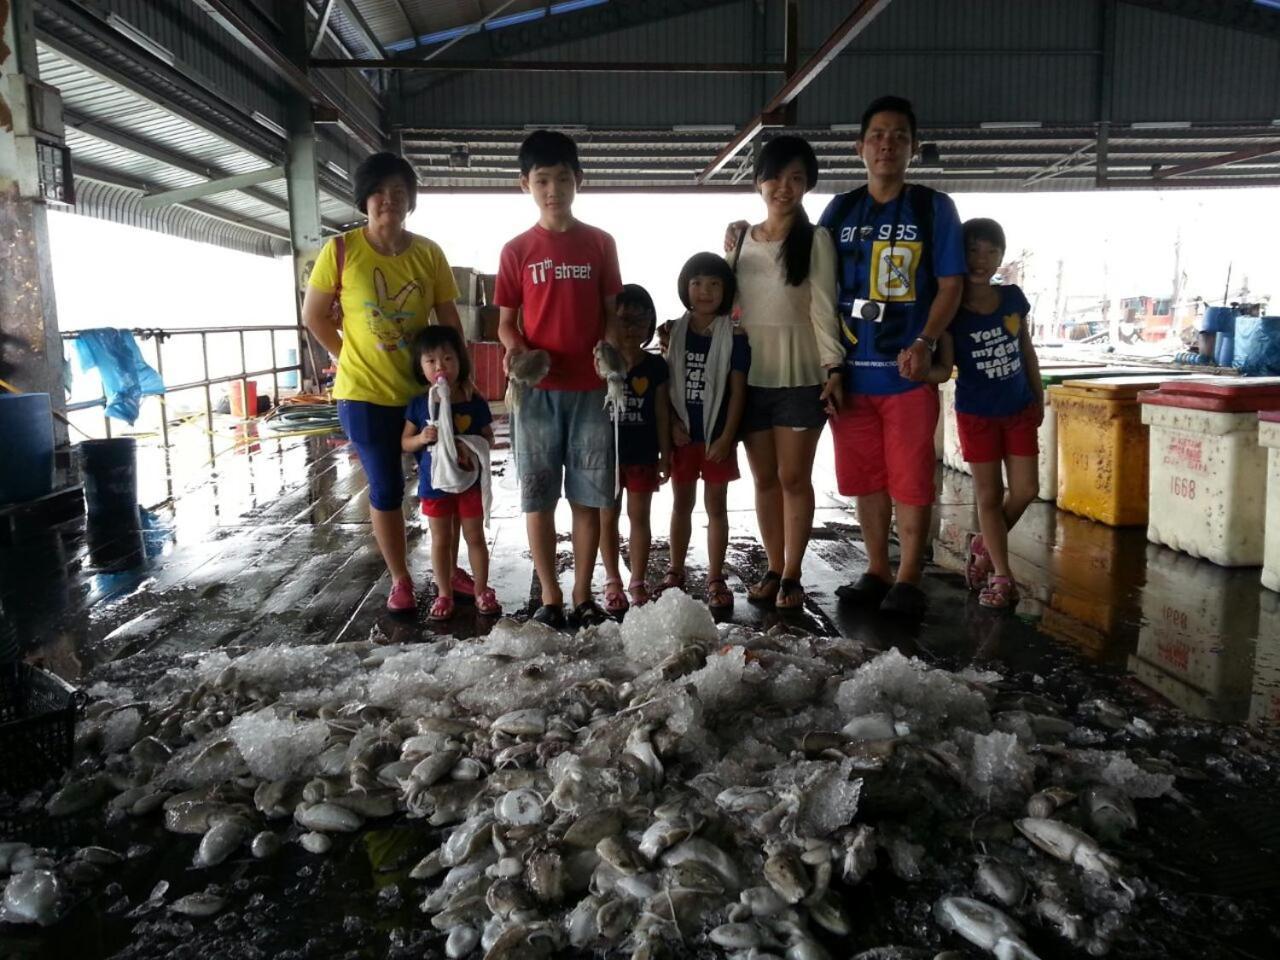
[487,323]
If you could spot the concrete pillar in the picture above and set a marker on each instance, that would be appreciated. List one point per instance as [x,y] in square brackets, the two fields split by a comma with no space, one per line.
[30,348]
[305,229]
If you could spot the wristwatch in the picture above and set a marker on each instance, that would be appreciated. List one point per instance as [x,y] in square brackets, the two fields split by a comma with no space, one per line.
[832,371]
[928,342]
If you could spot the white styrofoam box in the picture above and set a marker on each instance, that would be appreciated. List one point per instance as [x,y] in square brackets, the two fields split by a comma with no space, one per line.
[951,455]
[1266,662]
[1269,437]
[1207,484]
[1196,642]
[1048,436]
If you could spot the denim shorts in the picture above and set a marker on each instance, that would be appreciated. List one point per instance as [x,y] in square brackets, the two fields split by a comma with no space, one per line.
[799,408]
[564,433]
[374,431]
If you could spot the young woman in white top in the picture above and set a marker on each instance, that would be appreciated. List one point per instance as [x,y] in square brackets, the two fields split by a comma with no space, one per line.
[786,273]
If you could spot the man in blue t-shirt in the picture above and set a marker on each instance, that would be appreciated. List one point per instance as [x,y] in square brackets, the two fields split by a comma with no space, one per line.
[900,277]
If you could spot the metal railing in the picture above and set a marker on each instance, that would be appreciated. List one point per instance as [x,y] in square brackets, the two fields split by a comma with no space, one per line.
[162,336]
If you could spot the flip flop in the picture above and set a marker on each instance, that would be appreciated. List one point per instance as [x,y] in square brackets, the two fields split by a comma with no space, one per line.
[791,595]
[615,601]
[765,590]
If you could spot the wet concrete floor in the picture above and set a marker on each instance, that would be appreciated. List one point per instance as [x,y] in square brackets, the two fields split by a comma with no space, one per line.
[272,545]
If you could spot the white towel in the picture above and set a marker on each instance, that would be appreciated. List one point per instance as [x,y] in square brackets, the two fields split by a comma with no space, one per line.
[446,474]
[717,371]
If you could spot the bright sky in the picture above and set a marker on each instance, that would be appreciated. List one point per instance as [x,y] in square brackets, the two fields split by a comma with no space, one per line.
[106,274]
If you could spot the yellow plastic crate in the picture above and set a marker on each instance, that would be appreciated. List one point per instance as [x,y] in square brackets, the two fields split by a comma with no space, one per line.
[1102,448]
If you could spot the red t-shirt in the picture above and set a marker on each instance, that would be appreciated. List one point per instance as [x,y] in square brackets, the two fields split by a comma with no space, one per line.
[561,280]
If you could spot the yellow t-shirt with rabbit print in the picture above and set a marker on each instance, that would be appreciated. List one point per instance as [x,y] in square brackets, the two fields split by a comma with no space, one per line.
[385,301]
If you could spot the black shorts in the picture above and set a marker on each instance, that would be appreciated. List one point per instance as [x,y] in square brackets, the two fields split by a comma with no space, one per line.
[799,408]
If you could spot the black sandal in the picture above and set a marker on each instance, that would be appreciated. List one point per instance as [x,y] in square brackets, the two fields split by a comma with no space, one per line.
[766,590]
[587,614]
[550,615]
[787,590]
[867,590]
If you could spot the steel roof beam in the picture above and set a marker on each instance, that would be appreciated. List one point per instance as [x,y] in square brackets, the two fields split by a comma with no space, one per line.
[543,66]
[841,37]
[322,27]
[1265,150]
[353,14]
[164,198]
[274,58]
[1234,14]
[91,171]
[153,151]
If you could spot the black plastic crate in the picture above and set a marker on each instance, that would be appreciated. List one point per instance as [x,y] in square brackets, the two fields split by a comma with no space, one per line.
[37,726]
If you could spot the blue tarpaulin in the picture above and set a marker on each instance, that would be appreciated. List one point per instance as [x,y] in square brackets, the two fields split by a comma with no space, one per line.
[126,377]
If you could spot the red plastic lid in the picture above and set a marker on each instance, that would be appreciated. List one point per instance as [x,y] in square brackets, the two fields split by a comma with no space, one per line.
[1225,386]
[1244,401]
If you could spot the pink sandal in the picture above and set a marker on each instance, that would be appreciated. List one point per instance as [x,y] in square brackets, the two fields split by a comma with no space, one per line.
[487,603]
[639,591]
[615,601]
[977,564]
[441,609]
[1000,593]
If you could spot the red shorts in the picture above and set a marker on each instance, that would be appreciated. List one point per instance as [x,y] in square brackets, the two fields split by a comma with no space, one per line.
[469,504]
[640,477]
[690,462]
[885,442]
[984,439]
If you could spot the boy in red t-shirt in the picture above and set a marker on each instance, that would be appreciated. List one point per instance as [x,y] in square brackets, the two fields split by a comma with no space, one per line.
[565,276]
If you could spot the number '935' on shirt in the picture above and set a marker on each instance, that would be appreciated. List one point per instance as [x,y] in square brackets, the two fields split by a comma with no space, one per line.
[561,281]
[887,254]
[991,377]
[385,301]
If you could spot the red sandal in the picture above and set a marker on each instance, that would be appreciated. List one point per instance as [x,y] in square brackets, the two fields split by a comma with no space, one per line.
[639,591]
[441,609]
[1000,593]
[615,601]
[672,581]
[719,596]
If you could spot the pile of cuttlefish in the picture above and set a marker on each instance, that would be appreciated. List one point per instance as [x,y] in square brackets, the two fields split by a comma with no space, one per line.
[654,788]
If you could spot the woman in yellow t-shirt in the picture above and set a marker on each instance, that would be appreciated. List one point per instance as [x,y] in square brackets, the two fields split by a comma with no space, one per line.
[388,283]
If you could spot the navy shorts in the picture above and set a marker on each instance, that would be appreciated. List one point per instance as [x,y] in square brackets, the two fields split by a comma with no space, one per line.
[374,430]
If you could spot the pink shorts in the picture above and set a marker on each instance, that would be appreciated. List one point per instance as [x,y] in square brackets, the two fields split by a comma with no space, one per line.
[986,439]
[468,505]
[690,462]
[640,477]
[885,442]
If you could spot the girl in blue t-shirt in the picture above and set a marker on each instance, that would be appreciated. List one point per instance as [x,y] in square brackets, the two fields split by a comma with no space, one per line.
[438,351]
[999,407]
[644,448]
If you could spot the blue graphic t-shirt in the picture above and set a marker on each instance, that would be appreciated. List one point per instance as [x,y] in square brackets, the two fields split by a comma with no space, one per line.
[469,417]
[696,348]
[638,429]
[991,380]
[888,237]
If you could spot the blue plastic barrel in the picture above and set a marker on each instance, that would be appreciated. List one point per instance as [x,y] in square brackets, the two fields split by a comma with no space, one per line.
[26,426]
[109,469]
[1218,320]
[1224,350]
